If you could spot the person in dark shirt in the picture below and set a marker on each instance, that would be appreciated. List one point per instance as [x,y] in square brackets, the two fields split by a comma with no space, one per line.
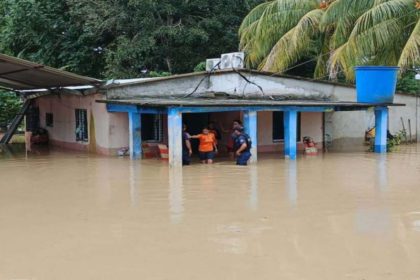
[242,146]
[186,146]
[231,139]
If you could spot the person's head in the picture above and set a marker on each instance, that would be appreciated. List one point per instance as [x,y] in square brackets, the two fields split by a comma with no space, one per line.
[236,123]
[238,130]
[205,130]
[211,125]
[184,127]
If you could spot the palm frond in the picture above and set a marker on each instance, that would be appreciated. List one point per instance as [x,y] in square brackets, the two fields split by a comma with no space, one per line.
[345,11]
[410,54]
[296,43]
[253,16]
[276,19]
[341,61]
[376,37]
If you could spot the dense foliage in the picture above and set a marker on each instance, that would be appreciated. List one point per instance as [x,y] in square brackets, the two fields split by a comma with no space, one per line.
[335,35]
[120,38]
[9,107]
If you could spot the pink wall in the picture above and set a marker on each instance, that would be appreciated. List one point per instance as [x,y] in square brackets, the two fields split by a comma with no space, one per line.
[110,130]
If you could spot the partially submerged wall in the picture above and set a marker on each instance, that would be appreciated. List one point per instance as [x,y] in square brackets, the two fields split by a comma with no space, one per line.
[311,125]
[342,130]
[345,131]
[110,130]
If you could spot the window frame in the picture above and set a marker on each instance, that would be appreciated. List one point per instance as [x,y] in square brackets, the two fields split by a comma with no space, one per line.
[279,126]
[49,119]
[154,122]
[81,120]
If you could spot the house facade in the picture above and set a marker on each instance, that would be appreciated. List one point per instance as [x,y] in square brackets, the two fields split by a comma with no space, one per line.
[100,120]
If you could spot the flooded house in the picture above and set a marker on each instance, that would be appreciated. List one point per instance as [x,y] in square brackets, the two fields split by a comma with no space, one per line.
[277,110]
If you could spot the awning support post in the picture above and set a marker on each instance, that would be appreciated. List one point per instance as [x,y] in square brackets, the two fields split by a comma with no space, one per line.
[134,126]
[251,128]
[175,137]
[290,134]
[381,128]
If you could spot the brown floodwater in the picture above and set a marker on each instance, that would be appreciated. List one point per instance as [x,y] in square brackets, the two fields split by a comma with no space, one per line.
[66,215]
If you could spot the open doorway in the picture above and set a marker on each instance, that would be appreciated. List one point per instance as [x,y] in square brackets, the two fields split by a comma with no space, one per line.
[195,123]
[223,122]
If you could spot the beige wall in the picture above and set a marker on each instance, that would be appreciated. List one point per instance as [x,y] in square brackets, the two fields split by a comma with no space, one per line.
[311,125]
[111,130]
[347,129]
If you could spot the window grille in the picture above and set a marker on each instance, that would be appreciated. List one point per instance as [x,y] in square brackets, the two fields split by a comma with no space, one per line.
[49,119]
[81,125]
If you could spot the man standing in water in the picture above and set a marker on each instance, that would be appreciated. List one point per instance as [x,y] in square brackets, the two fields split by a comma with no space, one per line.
[186,146]
[242,146]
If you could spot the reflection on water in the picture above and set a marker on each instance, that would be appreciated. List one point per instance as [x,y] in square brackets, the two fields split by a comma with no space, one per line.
[66,215]
[291,184]
[382,172]
[176,198]
[134,183]
[253,187]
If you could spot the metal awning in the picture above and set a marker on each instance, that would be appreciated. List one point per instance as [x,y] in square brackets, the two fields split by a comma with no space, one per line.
[19,74]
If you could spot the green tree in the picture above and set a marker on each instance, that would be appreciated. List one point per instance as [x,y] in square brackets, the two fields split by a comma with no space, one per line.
[336,35]
[119,38]
[45,32]
[9,106]
[166,35]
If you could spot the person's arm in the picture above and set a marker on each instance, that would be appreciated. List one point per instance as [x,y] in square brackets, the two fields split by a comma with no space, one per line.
[218,134]
[188,145]
[241,149]
[215,144]
[195,136]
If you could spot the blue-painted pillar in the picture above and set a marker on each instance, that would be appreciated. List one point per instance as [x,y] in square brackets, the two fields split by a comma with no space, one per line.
[290,134]
[381,128]
[134,127]
[251,128]
[175,137]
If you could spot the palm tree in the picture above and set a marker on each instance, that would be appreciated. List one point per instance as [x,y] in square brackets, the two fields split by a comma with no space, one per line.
[336,35]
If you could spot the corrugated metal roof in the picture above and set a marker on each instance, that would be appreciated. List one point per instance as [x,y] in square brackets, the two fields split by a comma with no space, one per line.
[237,102]
[19,74]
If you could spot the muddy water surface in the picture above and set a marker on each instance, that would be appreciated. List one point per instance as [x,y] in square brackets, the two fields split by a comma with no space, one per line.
[65,215]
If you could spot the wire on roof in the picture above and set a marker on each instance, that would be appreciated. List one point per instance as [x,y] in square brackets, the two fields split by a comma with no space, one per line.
[201,81]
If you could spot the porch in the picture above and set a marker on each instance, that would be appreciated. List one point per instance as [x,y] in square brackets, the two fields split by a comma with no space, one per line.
[175,108]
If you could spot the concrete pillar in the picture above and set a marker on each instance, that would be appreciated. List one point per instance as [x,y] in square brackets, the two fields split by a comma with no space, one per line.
[290,134]
[381,128]
[134,127]
[251,128]
[175,137]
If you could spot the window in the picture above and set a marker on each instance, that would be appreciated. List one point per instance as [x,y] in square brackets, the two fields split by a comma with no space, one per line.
[152,127]
[49,119]
[81,125]
[278,126]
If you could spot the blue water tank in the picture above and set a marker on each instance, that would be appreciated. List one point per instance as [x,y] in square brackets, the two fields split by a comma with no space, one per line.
[376,84]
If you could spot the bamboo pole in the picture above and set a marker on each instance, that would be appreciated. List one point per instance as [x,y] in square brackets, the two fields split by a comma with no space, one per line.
[409,130]
[404,130]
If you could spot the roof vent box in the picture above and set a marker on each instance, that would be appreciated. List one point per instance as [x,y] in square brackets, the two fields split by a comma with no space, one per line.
[212,64]
[232,60]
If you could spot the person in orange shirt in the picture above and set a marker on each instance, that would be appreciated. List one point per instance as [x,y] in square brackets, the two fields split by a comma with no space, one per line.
[207,147]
